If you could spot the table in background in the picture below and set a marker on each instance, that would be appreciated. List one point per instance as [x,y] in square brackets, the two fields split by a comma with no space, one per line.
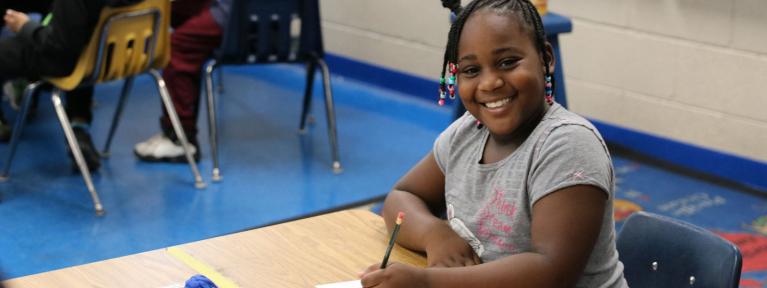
[302,253]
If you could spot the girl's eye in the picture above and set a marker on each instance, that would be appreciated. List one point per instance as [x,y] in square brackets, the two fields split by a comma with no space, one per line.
[470,71]
[508,63]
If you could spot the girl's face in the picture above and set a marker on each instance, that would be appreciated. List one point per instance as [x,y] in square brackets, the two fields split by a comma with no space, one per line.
[501,73]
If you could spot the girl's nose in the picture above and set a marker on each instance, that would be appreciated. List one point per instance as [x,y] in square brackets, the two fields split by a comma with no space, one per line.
[490,82]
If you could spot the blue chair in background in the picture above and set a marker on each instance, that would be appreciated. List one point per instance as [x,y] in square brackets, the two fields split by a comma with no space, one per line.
[658,251]
[264,31]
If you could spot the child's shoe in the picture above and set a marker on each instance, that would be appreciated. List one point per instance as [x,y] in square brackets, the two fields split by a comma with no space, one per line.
[90,153]
[5,131]
[160,148]
[14,90]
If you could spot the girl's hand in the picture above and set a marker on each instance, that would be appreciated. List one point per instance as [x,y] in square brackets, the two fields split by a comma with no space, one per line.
[450,250]
[15,20]
[395,275]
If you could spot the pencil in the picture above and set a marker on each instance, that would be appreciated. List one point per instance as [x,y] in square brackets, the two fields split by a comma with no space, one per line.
[400,217]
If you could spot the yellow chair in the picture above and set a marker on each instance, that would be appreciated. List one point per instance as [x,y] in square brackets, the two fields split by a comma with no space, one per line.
[127,41]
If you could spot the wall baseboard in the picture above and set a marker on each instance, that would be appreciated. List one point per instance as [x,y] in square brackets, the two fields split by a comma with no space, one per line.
[747,172]
[706,161]
[385,77]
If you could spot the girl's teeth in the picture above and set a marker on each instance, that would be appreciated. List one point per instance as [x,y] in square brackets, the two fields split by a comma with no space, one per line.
[497,104]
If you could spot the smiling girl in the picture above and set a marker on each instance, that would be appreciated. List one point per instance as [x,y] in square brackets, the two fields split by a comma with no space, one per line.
[526,186]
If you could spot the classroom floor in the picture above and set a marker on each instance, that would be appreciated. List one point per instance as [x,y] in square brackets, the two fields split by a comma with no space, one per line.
[272,174]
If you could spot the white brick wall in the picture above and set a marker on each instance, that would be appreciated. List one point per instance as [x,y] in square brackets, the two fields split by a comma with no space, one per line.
[722,80]
[613,57]
[406,35]
[423,22]
[614,12]
[657,116]
[750,22]
[689,70]
[707,21]
[372,47]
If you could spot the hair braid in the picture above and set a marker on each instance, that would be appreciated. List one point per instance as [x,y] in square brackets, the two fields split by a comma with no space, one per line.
[453,5]
[451,49]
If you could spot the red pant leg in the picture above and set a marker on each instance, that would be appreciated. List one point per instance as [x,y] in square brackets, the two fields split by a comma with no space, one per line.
[192,44]
[182,10]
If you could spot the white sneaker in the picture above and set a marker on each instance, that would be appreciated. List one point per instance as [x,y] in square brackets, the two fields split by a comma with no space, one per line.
[160,148]
[12,93]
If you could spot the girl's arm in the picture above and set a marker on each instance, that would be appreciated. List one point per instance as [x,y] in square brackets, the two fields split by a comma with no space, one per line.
[565,227]
[421,195]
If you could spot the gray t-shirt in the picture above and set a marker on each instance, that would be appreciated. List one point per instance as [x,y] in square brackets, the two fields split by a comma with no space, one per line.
[490,205]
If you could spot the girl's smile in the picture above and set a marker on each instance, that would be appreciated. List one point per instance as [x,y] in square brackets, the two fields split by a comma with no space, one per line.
[497,104]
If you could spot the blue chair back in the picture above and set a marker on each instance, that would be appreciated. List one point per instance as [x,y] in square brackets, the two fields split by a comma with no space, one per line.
[658,251]
[274,31]
[267,31]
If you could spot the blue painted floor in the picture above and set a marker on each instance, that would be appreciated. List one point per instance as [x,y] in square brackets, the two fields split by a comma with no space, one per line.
[272,174]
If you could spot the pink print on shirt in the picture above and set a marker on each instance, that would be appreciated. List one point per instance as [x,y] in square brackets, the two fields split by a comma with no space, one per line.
[496,217]
[578,175]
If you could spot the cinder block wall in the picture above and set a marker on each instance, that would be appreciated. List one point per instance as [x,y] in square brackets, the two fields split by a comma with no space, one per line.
[405,35]
[689,70]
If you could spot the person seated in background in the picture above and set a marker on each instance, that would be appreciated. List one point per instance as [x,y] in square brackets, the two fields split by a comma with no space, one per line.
[197,30]
[26,6]
[52,50]
[12,89]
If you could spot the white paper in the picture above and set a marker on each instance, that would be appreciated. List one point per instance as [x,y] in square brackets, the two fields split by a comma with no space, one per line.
[347,284]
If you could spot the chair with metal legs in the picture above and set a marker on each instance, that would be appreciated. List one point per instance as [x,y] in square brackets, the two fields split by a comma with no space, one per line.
[127,42]
[262,32]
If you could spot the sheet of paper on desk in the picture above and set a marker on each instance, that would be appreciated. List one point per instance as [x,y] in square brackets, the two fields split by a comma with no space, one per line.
[347,284]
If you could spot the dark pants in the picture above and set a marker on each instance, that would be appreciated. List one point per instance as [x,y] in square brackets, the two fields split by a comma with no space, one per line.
[15,64]
[195,36]
[79,104]
[17,61]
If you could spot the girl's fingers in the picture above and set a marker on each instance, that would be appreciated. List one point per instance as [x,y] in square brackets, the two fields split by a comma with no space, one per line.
[370,268]
[372,278]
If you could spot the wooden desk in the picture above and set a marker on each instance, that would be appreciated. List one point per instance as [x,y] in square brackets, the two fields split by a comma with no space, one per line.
[303,253]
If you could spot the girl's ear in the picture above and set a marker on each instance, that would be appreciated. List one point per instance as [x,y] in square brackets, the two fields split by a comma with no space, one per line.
[549,53]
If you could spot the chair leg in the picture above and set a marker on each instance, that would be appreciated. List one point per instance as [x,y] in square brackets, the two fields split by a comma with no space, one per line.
[75,148]
[311,67]
[127,85]
[212,128]
[165,96]
[331,115]
[21,119]
[220,82]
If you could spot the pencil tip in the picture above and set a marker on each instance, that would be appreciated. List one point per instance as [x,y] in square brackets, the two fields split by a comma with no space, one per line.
[400,217]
